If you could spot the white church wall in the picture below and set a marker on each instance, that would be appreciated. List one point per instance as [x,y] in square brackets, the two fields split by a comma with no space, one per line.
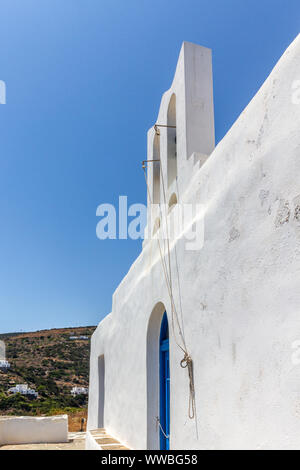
[240,295]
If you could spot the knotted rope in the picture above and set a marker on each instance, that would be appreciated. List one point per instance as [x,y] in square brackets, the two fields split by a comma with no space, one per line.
[187,362]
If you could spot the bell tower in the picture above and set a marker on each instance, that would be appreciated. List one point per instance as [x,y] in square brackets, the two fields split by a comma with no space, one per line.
[183,136]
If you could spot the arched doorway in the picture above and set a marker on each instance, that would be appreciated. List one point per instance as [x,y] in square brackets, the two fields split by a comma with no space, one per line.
[164,380]
[158,378]
[101,390]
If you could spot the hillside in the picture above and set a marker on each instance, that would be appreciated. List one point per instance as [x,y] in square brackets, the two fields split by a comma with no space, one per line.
[49,362]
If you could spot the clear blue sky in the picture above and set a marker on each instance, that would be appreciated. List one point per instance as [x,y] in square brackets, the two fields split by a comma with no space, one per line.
[84,81]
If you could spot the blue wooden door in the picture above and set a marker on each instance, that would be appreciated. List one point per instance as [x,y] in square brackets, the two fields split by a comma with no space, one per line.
[164,384]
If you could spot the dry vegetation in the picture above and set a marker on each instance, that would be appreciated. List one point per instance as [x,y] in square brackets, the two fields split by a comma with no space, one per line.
[52,364]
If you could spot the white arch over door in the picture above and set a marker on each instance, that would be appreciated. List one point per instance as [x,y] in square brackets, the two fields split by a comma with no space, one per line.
[153,336]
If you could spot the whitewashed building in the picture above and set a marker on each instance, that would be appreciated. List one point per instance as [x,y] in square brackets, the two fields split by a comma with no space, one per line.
[79,391]
[82,337]
[227,307]
[24,390]
[4,365]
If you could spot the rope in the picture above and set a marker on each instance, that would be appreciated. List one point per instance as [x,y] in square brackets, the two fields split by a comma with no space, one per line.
[160,426]
[187,361]
[166,275]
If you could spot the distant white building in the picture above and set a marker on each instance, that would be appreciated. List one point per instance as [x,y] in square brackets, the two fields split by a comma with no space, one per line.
[4,364]
[79,337]
[79,391]
[24,390]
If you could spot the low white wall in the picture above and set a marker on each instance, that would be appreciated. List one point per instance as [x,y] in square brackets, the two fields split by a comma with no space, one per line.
[29,430]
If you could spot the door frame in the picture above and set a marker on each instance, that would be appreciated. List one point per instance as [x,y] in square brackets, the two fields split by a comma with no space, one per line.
[164,384]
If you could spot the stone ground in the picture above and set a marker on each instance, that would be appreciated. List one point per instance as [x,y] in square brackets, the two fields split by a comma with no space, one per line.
[106,441]
[76,442]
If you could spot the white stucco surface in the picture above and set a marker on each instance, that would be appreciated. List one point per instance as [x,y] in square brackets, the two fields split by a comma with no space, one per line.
[31,430]
[239,295]
[91,443]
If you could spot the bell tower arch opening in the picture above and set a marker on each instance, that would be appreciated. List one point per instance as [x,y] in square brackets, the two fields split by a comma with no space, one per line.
[172,141]
[156,170]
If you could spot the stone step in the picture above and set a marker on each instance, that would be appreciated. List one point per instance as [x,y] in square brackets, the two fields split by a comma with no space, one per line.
[106,441]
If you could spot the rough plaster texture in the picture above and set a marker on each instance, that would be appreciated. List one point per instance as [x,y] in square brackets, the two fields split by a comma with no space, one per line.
[239,295]
[28,430]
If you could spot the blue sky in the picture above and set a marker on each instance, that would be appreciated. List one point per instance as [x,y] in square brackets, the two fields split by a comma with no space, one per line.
[84,80]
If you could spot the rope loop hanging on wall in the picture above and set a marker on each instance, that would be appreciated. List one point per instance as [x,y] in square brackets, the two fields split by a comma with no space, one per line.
[187,361]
